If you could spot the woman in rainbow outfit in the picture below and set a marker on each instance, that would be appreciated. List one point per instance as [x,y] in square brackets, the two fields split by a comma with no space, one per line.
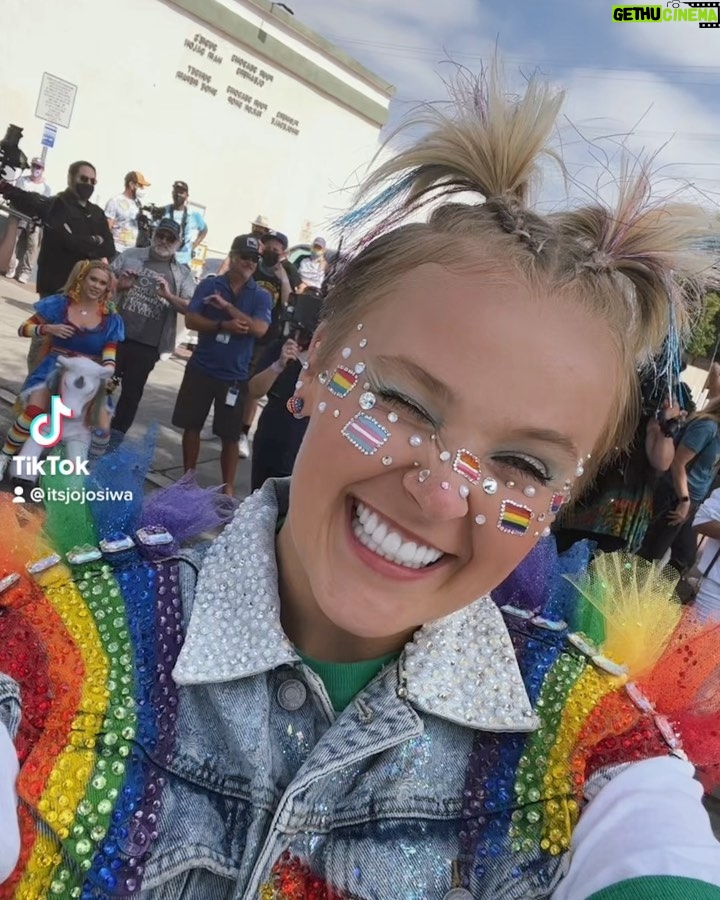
[379,683]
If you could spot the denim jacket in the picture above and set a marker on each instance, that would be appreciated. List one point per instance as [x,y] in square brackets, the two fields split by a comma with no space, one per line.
[407,794]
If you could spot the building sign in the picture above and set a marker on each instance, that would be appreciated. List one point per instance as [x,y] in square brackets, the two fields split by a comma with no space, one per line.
[49,134]
[239,80]
[56,100]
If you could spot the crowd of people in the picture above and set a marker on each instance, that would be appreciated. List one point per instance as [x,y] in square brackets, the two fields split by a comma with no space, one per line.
[381,679]
[149,251]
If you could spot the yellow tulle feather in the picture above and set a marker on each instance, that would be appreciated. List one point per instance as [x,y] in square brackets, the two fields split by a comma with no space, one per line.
[637,606]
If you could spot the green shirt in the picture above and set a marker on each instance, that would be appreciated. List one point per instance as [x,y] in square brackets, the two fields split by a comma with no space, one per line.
[344,680]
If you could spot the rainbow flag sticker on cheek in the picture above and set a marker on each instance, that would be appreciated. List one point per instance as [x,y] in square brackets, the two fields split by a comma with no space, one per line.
[514,517]
[342,381]
[366,433]
[467,465]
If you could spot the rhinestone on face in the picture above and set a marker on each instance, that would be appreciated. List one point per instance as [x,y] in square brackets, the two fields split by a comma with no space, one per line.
[363,342]
[529,491]
[387,460]
[510,484]
[415,440]
[490,486]
[360,327]
[324,377]
[360,368]
[464,491]
[445,485]
[336,413]
[480,519]
[298,385]
[423,475]
[580,471]
[445,455]
[367,400]
[306,365]
[546,532]
[345,353]
[322,406]
[392,417]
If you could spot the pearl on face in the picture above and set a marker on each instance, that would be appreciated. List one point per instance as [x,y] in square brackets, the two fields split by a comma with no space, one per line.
[359,368]
[392,417]
[345,353]
[336,413]
[363,342]
[445,455]
[415,440]
[445,485]
[464,491]
[529,491]
[546,532]
[306,365]
[298,385]
[480,520]
[510,484]
[322,406]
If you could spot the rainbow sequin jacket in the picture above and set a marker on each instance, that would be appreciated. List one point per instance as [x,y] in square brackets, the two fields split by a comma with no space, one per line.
[457,772]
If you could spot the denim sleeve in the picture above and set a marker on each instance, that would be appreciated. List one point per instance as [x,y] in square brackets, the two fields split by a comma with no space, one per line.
[9,704]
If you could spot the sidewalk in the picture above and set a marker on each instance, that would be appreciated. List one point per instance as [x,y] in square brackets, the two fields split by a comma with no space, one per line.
[16,302]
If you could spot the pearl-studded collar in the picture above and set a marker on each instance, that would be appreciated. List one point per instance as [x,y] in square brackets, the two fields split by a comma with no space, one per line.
[461,668]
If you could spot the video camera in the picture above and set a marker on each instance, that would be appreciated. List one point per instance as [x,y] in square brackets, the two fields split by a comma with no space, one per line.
[301,317]
[11,156]
[148,217]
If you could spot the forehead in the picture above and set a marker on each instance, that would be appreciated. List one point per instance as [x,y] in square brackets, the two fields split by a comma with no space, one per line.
[512,357]
[86,170]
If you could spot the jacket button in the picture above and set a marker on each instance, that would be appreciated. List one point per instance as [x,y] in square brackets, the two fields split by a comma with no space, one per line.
[291,694]
[458,894]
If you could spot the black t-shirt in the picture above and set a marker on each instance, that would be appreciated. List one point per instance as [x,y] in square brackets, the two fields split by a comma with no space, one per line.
[279,434]
[272,284]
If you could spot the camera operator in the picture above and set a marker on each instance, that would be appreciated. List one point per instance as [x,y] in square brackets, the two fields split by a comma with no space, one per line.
[29,235]
[122,211]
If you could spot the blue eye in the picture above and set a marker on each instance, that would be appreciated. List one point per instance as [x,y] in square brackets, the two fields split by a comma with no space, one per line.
[527,465]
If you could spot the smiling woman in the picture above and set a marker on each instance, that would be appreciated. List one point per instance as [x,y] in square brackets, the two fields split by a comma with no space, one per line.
[352,714]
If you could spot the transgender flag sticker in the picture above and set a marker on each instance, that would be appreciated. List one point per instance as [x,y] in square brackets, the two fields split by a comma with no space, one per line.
[366,433]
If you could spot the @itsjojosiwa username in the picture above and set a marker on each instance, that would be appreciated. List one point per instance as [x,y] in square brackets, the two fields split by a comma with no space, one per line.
[77,495]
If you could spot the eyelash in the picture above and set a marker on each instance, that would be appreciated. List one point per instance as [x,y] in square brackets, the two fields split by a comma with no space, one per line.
[527,465]
[405,404]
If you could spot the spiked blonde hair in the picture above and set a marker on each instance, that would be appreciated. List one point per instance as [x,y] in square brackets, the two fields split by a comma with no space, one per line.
[634,266]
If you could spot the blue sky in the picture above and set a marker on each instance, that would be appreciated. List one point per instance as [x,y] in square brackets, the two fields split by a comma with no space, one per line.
[655,87]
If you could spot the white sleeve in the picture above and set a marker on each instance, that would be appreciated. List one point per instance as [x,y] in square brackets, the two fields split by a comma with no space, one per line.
[9,830]
[709,511]
[647,820]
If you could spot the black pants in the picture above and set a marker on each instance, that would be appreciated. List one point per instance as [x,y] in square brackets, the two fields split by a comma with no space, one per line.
[134,363]
[661,536]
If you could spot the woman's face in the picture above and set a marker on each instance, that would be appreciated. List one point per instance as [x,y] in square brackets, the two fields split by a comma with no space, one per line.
[442,441]
[95,284]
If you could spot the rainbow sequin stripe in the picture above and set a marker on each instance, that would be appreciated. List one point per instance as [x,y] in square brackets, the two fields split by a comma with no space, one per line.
[92,647]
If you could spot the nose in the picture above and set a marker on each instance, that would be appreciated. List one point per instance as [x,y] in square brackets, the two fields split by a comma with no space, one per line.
[80,382]
[439,493]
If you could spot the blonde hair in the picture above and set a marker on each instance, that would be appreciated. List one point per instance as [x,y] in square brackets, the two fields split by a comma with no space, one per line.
[633,266]
[76,279]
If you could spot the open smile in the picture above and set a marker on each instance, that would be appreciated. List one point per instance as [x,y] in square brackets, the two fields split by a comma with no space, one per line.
[388,548]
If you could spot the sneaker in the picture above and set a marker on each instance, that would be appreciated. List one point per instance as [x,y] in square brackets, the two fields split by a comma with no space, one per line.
[23,279]
[207,434]
[243,447]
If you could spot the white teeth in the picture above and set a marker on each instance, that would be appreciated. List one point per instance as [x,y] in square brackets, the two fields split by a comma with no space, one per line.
[376,535]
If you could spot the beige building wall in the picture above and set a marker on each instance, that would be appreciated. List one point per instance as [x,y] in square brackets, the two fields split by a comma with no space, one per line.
[258,114]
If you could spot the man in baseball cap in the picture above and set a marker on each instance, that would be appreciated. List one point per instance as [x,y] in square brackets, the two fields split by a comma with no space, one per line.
[229,312]
[122,211]
[193,228]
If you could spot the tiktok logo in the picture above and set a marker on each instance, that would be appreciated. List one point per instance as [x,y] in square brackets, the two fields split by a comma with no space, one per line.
[46,429]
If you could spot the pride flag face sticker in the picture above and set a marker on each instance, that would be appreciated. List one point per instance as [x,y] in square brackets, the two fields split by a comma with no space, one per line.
[366,433]
[467,465]
[514,517]
[556,503]
[342,382]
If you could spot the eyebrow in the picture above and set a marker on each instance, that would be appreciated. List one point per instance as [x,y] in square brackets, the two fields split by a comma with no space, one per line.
[548,436]
[406,368]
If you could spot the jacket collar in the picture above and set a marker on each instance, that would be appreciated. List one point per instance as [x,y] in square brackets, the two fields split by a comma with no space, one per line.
[461,668]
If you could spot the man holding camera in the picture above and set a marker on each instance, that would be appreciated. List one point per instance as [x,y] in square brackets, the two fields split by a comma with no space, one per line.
[229,312]
[28,240]
[153,288]
[193,228]
[122,211]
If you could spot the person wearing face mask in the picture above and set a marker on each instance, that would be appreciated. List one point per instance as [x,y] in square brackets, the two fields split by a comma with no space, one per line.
[74,228]
[28,240]
[122,211]
[153,288]
[279,278]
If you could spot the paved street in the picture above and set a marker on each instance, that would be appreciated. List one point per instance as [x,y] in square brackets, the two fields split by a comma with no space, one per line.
[16,302]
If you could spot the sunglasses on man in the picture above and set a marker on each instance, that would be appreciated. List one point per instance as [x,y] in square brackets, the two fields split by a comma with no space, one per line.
[86,179]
